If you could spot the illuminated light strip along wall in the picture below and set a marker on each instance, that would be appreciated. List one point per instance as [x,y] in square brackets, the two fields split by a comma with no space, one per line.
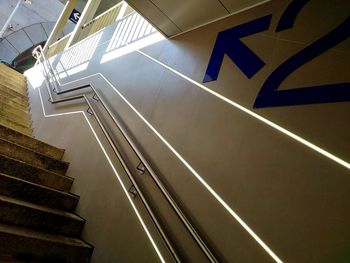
[255,115]
[234,104]
[114,170]
[192,170]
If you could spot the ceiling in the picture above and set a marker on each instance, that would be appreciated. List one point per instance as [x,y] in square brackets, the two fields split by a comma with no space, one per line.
[38,11]
[173,17]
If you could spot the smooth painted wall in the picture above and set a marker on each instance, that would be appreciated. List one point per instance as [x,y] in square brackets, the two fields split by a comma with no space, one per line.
[293,197]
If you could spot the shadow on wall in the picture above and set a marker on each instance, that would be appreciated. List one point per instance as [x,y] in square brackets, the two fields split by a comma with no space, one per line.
[76,58]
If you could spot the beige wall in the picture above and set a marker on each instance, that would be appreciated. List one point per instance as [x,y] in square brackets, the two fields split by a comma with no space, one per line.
[293,197]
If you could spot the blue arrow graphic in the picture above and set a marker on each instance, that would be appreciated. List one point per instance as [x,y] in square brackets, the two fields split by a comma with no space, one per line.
[228,42]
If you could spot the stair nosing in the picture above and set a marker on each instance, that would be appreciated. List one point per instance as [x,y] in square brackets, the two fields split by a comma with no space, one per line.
[40,168]
[23,111]
[41,208]
[26,120]
[30,233]
[15,105]
[16,123]
[68,194]
[33,151]
[22,97]
[15,91]
[32,138]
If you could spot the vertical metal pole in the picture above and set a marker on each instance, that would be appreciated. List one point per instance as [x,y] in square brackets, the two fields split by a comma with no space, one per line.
[87,14]
[9,19]
[61,22]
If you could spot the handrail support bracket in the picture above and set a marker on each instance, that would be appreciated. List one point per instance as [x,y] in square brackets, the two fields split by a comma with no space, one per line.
[132,191]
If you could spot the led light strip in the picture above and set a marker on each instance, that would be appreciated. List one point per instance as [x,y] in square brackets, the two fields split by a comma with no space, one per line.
[253,114]
[192,170]
[114,170]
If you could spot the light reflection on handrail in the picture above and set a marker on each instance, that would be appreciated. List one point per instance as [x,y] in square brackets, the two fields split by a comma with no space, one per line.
[38,54]
[196,236]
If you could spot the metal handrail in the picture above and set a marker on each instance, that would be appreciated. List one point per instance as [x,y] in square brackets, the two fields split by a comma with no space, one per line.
[114,148]
[196,236]
[60,40]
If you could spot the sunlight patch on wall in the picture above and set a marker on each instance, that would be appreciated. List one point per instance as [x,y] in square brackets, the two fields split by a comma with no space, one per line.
[36,77]
[132,32]
[77,57]
[132,47]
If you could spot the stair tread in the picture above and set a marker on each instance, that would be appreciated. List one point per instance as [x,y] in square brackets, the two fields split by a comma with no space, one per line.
[34,174]
[15,102]
[41,208]
[39,218]
[11,77]
[26,232]
[32,157]
[12,103]
[12,94]
[40,186]
[10,107]
[28,190]
[9,259]
[17,116]
[26,244]
[29,149]
[15,126]
[21,125]
[31,143]
[6,68]
[22,88]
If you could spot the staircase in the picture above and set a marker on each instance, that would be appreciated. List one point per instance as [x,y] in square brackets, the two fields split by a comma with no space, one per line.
[14,106]
[37,220]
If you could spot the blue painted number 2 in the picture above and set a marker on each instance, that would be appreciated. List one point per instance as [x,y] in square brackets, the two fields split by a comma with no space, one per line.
[269,95]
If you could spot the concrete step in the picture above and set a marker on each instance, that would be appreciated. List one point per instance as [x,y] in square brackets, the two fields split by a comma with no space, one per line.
[23,154]
[15,115]
[37,194]
[39,218]
[30,173]
[8,102]
[30,143]
[9,71]
[9,259]
[15,126]
[32,245]
[12,78]
[13,95]
[11,84]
